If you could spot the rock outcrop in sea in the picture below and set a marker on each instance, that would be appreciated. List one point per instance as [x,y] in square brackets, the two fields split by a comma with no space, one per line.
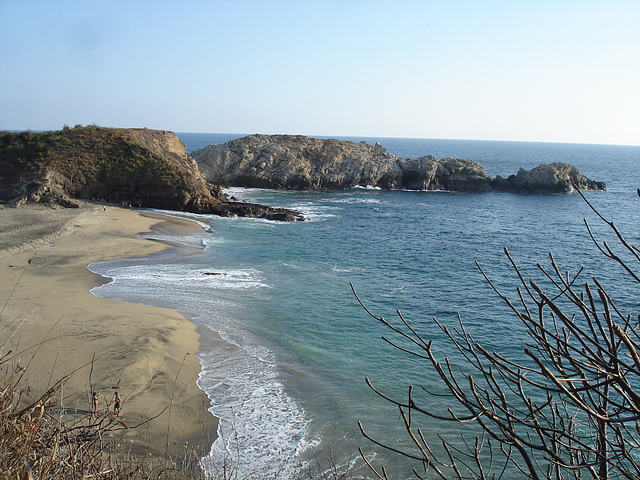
[556,177]
[137,165]
[302,163]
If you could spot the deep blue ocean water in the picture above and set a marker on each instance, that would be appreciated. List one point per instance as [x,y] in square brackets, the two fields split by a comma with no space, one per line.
[287,377]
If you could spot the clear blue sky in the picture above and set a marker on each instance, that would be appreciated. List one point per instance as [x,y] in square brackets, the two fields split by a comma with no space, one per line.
[539,70]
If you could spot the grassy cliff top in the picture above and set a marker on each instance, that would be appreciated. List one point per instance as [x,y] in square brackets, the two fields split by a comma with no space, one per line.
[110,164]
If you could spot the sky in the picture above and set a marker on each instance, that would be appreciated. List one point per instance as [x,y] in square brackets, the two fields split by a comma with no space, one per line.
[539,70]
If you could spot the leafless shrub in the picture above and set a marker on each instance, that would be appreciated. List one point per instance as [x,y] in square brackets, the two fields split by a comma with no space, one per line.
[568,409]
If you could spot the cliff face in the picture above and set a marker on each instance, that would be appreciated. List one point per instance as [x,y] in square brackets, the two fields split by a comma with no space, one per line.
[295,162]
[114,165]
[299,162]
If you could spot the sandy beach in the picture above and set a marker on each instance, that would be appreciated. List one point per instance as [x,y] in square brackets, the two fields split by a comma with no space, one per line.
[147,354]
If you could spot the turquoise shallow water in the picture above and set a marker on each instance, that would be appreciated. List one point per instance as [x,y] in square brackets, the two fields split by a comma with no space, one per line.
[288,377]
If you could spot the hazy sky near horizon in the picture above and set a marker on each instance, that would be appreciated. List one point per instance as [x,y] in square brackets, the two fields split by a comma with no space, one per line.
[539,70]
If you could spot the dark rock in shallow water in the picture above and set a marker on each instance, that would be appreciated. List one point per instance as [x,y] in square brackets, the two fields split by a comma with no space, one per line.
[298,162]
[254,210]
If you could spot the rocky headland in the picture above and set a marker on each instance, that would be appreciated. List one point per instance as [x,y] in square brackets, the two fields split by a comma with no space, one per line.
[302,163]
[138,166]
[152,168]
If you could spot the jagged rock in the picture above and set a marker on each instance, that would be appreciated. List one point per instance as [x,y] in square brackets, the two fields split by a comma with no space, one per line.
[293,162]
[554,178]
[243,209]
[299,162]
[150,167]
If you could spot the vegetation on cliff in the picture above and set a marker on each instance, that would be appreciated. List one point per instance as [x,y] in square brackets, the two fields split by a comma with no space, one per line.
[141,166]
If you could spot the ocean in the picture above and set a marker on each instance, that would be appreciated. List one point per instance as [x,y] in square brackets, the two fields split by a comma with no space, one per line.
[287,375]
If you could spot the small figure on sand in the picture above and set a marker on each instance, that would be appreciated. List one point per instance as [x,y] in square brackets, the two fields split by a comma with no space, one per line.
[96,398]
[116,404]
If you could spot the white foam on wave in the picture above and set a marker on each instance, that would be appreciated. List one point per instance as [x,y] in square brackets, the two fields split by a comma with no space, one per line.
[311,211]
[240,192]
[357,200]
[262,431]
[314,213]
[161,277]
[340,269]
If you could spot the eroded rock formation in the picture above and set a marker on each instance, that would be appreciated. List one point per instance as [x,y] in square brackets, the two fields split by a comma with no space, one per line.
[300,162]
[553,178]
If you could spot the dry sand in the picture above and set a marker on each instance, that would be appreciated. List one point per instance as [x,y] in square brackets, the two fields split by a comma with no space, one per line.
[148,353]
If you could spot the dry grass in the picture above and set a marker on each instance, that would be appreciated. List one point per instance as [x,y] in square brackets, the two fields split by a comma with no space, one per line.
[40,440]
[36,443]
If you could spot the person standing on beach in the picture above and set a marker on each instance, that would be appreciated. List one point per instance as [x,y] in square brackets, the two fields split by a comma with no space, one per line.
[116,404]
[96,397]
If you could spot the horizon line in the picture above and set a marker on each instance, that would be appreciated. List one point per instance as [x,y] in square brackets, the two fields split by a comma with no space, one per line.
[325,136]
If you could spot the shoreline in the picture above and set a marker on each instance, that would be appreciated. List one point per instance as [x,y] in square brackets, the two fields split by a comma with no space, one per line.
[146,353]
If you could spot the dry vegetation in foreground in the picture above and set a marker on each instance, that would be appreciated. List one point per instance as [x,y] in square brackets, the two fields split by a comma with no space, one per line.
[35,442]
[38,442]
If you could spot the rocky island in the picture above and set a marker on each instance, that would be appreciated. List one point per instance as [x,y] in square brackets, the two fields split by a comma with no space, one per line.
[138,166]
[298,162]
